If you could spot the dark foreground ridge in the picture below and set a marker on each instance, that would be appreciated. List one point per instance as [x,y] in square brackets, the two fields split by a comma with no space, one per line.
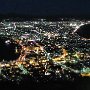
[80,84]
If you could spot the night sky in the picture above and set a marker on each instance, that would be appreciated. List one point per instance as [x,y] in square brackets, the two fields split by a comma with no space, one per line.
[45,7]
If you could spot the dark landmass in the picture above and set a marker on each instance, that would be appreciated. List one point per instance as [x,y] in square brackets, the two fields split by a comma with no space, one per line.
[7,49]
[84,31]
[79,84]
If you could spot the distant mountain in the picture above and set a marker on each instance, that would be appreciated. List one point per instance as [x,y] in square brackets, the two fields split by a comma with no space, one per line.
[24,17]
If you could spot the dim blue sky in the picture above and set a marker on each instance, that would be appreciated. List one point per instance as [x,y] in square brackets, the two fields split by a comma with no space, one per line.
[45,7]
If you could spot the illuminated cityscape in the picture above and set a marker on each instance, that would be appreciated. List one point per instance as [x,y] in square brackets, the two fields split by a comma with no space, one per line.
[49,50]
